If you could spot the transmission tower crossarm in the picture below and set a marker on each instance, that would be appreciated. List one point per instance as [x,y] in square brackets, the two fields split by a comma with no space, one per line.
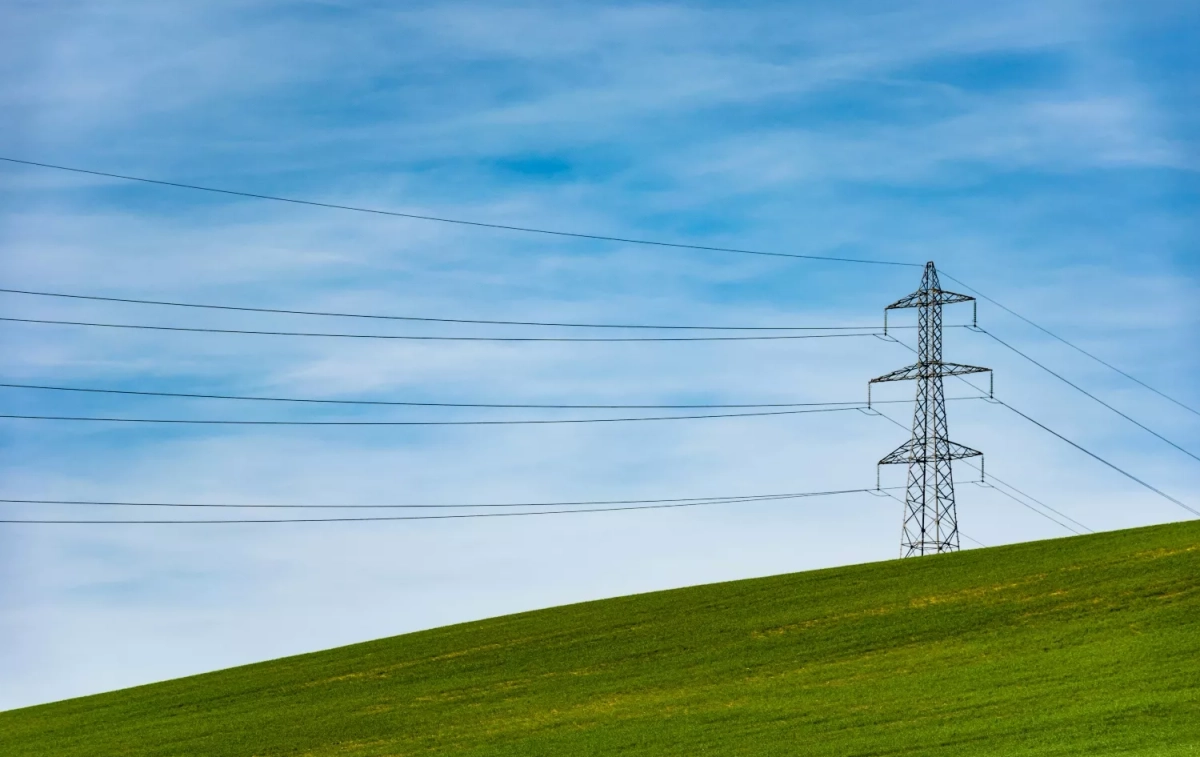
[926,297]
[929,370]
[913,451]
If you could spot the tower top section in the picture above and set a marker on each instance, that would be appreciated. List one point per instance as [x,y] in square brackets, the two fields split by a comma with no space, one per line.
[929,280]
[930,293]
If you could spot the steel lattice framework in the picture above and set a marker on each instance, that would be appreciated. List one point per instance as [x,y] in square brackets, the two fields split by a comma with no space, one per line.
[930,518]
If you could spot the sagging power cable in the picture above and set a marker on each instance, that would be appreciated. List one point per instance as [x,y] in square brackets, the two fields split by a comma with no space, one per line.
[456,221]
[430,319]
[489,405]
[426,338]
[409,517]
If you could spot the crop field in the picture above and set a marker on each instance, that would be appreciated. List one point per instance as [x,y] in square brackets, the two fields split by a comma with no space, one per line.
[1081,646]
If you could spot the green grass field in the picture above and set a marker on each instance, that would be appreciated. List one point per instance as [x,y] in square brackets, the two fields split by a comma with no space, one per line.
[1089,645]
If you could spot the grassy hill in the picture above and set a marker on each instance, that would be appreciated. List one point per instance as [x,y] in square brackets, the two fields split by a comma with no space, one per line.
[1089,645]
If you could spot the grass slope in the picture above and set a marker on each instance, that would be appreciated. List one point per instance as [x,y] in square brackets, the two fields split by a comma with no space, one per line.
[1088,645]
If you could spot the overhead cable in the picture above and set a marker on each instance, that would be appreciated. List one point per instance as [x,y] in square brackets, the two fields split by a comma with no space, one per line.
[457,221]
[993,479]
[1088,452]
[1010,486]
[1073,444]
[429,319]
[190,421]
[968,538]
[409,517]
[595,237]
[1039,512]
[493,405]
[566,503]
[422,338]
[1075,347]
[1081,390]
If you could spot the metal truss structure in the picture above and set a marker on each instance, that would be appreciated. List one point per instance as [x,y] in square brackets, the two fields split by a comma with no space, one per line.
[930,517]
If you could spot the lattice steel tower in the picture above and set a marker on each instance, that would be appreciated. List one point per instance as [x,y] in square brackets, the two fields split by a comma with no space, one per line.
[930,518]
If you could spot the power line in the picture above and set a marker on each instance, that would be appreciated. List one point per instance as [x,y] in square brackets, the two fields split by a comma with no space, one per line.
[1073,444]
[960,533]
[188,395]
[1076,347]
[992,478]
[427,319]
[457,221]
[567,503]
[594,237]
[1010,486]
[223,422]
[409,337]
[409,517]
[1080,389]
[1088,452]
[1039,512]
[998,480]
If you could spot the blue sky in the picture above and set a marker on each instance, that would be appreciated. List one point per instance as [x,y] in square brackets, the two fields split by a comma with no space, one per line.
[1043,152]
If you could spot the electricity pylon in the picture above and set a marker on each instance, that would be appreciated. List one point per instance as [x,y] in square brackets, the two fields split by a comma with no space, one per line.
[930,517]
